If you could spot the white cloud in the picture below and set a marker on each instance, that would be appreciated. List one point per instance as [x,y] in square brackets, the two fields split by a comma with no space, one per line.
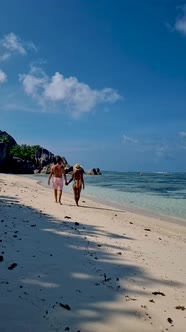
[3,77]
[78,96]
[34,83]
[127,139]
[163,151]
[160,150]
[182,134]
[31,46]
[4,57]
[14,106]
[12,44]
[180,24]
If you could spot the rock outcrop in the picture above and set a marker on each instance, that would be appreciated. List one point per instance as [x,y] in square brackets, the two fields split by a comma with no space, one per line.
[6,138]
[46,169]
[68,169]
[20,166]
[6,141]
[64,161]
[42,162]
[3,154]
[43,157]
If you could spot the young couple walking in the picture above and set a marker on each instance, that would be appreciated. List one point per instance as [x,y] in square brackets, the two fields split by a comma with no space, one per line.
[58,172]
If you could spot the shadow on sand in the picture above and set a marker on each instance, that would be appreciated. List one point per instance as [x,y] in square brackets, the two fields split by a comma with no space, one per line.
[60,263]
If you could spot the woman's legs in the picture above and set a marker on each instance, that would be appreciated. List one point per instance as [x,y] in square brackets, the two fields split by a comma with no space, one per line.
[77,191]
[77,195]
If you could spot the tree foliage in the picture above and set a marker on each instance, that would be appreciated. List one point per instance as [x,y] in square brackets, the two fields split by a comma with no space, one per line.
[6,139]
[25,152]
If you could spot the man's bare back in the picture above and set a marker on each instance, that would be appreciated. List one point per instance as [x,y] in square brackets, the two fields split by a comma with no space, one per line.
[58,170]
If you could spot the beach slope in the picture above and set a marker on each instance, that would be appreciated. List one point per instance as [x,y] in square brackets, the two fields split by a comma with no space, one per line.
[93,268]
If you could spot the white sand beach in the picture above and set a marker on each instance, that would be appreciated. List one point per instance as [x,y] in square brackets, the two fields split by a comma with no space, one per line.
[93,268]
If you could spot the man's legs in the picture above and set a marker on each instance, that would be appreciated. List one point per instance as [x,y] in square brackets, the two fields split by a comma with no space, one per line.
[55,195]
[58,185]
[60,195]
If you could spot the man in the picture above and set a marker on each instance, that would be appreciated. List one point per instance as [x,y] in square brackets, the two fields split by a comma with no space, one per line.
[57,171]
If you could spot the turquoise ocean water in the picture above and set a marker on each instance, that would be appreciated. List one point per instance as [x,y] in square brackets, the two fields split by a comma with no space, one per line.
[159,193]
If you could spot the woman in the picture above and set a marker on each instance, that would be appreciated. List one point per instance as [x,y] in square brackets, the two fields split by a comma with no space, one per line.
[77,176]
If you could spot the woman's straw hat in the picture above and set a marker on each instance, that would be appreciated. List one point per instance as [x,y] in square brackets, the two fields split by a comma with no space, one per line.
[77,167]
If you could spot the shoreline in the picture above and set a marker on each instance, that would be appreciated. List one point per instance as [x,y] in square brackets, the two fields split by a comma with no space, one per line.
[138,210]
[132,209]
[93,268]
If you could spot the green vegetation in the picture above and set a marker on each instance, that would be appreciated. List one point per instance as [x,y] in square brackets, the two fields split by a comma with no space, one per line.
[5,138]
[21,151]
[24,151]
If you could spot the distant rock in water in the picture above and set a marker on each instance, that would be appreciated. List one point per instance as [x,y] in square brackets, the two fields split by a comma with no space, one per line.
[93,171]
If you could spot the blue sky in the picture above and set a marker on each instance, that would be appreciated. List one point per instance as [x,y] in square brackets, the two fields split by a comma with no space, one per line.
[101,82]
